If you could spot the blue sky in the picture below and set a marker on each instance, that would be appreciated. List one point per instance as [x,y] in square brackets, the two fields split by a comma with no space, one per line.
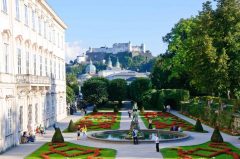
[98,23]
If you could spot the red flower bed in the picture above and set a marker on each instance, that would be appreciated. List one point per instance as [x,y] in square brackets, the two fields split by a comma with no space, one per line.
[162,125]
[93,153]
[102,120]
[220,148]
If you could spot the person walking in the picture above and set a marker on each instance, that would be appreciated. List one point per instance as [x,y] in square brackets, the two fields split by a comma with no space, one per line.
[84,131]
[135,138]
[150,124]
[78,133]
[157,142]
[129,113]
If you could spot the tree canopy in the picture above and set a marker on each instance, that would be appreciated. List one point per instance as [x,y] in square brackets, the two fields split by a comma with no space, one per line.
[95,90]
[138,87]
[117,90]
[205,49]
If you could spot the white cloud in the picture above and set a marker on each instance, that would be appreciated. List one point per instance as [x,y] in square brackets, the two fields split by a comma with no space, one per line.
[74,49]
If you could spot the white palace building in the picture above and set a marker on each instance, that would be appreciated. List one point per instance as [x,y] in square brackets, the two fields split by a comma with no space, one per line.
[32,68]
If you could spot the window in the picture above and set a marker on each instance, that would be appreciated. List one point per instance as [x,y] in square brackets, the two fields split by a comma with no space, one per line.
[5,49]
[41,66]
[62,42]
[19,57]
[39,25]
[26,14]
[55,68]
[54,36]
[4,4]
[36,113]
[46,67]
[59,70]
[29,115]
[35,64]
[33,19]
[27,63]
[21,118]
[9,121]
[44,29]
[58,40]
[48,104]
[51,72]
[17,9]
[50,35]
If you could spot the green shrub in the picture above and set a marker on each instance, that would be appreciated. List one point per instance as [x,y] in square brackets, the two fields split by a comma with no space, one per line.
[142,110]
[155,99]
[57,137]
[198,126]
[95,109]
[115,109]
[216,136]
[71,126]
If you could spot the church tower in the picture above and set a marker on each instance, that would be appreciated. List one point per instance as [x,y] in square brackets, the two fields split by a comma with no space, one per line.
[109,66]
[118,64]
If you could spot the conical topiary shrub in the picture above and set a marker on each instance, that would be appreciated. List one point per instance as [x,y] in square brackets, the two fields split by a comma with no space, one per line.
[95,109]
[71,126]
[198,126]
[57,137]
[216,136]
[115,109]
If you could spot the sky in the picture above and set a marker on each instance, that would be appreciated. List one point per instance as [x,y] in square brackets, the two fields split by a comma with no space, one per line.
[99,23]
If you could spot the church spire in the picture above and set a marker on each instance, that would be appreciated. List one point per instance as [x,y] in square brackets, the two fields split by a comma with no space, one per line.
[109,62]
[118,64]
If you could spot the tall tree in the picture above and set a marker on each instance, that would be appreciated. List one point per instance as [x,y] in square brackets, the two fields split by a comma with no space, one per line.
[95,91]
[117,90]
[138,87]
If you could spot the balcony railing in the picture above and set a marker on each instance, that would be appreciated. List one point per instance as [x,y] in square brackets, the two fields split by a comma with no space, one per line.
[30,79]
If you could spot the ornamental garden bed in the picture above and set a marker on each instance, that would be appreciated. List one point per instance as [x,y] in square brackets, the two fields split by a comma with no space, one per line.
[206,150]
[99,121]
[71,151]
[164,120]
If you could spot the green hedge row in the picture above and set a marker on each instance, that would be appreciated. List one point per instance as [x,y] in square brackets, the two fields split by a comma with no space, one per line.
[214,114]
[156,99]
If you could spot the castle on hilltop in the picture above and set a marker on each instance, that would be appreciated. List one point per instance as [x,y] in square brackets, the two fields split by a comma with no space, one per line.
[119,47]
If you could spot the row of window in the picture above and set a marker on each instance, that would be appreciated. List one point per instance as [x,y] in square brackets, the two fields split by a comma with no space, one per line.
[47,67]
[10,114]
[48,32]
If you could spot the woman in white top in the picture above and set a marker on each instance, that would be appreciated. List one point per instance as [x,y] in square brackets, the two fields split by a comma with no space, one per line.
[157,143]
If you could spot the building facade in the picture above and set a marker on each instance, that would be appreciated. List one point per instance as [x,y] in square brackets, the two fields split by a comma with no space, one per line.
[32,68]
[119,47]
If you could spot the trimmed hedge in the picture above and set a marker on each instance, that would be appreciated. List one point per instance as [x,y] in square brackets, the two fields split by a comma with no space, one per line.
[216,136]
[115,109]
[71,126]
[57,137]
[95,110]
[198,127]
[156,99]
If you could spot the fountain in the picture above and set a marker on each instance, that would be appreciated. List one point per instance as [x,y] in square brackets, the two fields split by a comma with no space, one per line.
[145,136]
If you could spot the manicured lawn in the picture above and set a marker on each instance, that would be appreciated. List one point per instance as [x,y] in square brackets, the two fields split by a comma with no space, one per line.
[100,121]
[70,149]
[206,150]
[165,121]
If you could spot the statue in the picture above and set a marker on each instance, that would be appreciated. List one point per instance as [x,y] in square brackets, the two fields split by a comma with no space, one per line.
[134,122]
